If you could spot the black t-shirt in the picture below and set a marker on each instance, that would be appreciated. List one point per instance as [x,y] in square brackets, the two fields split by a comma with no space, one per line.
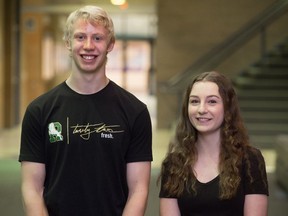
[85,142]
[207,203]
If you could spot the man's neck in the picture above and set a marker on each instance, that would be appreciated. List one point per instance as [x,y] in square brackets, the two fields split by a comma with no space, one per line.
[87,84]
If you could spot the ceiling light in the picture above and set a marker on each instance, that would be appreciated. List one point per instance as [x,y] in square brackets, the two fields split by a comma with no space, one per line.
[118,2]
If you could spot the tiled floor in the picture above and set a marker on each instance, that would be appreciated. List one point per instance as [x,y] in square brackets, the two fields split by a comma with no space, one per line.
[9,142]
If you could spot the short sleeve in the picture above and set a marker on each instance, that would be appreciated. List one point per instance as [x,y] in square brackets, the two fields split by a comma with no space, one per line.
[31,146]
[164,193]
[140,148]
[258,184]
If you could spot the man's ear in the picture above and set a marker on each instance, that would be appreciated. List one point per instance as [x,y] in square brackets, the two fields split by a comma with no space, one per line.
[111,45]
[68,45]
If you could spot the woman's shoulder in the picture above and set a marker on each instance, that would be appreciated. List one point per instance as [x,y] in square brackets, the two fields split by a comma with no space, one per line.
[253,152]
[254,172]
[254,161]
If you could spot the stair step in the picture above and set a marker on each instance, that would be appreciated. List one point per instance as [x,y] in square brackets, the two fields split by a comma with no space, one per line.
[259,104]
[263,141]
[281,85]
[266,72]
[265,117]
[281,52]
[262,94]
[267,128]
[265,121]
[280,60]
[281,49]
[263,82]
[263,109]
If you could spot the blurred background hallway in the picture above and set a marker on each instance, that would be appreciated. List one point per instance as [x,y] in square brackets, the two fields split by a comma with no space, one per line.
[160,46]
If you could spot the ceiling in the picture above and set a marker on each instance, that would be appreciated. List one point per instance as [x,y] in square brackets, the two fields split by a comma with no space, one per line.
[66,6]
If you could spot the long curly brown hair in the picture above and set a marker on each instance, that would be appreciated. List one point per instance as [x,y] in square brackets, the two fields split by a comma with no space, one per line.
[182,154]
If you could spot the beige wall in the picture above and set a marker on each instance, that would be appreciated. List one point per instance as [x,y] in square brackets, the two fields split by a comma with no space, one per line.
[31,38]
[188,29]
[32,25]
[29,81]
[8,80]
[2,92]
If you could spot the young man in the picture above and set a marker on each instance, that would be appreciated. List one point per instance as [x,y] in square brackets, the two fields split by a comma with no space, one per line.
[86,145]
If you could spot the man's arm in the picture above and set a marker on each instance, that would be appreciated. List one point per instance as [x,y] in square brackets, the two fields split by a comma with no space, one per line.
[33,176]
[138,179]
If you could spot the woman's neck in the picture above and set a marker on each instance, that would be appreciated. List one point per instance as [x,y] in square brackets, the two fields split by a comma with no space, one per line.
[208,143]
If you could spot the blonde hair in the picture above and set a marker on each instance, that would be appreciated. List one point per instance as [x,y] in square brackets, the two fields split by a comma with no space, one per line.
[91,14]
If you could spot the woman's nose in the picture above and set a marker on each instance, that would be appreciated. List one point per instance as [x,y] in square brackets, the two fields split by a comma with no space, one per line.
[202,108]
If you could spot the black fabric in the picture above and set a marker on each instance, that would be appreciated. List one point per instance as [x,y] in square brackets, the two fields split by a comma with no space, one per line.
[85,141]
[207,203]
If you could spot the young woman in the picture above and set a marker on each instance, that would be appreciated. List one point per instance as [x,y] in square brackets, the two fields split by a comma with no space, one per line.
[210,168]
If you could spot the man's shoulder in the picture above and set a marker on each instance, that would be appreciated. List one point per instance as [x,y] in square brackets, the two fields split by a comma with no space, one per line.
[48,95]
[124,94]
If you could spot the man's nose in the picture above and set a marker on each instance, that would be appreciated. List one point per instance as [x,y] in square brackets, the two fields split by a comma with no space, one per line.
[89,44]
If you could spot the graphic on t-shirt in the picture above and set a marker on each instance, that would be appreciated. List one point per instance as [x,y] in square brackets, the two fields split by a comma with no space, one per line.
[54,131]
[105,131]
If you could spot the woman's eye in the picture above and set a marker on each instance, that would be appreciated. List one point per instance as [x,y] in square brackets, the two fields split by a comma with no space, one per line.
[212,101]
[194,101]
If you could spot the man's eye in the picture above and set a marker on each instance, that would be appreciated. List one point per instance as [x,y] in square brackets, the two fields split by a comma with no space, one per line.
[79,37]
[97,38]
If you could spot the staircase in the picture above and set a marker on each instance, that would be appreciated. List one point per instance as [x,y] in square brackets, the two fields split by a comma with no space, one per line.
[263,96]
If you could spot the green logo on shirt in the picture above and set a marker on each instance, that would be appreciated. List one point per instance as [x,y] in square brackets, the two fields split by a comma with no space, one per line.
[54,131]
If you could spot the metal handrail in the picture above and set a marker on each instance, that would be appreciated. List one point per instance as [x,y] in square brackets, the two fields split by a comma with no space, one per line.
[218,54]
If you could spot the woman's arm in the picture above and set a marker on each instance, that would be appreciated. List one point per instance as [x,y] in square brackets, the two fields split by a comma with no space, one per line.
[33,176]
[169,207]
[256,205]
[138,179]
[256,198]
